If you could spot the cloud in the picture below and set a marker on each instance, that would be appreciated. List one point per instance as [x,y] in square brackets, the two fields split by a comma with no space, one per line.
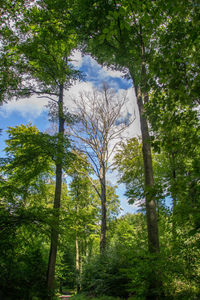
[128,208]
[132,107]
[30,108]
[79,87]
[86,61]
[112,73]
[74,92]
[76,58]
[96,74]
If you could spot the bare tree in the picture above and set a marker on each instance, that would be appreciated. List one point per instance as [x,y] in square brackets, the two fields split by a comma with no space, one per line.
[97,132]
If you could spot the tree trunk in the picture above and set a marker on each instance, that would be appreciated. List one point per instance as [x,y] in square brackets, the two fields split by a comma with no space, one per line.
[152,225]
[77,265]
[174,197]
[155,284]
[103,209]
[77,246]
[57,199]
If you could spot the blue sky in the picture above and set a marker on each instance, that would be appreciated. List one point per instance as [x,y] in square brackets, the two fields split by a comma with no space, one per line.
[33,110]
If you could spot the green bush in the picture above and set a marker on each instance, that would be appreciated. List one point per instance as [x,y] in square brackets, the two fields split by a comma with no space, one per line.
[117,274]
[23,269]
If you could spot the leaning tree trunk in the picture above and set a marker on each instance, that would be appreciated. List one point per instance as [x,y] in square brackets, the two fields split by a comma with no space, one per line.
[57,199]
[103,210]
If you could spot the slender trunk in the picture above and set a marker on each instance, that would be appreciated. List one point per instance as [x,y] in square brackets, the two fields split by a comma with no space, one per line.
[81,258]
[77,265]
[173,180]
[103,209]
[174,197]
[77,245]
[57,199]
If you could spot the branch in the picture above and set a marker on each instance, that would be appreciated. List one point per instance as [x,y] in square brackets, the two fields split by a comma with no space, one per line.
[90,179]
[86,174]
[48,98]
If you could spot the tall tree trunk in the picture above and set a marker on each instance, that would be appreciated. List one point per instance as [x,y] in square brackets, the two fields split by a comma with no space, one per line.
[142,98]
[77,246]
[174,197]
[152,225]
[155,284]
[57,198]
[103,209]
[77,265]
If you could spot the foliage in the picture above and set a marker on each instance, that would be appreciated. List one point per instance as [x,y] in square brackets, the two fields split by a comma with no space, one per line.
[127,265]
[156,44]
[30,160]
[129,163]
[111,274]
[35,49]
[179,259]
[23,255]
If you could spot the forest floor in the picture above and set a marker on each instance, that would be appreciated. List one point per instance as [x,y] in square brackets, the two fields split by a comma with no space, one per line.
[83,297]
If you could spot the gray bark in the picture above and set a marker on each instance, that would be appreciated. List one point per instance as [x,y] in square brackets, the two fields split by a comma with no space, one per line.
[103,209]
[152,224]
[57,199]
[77,265]
[155,283]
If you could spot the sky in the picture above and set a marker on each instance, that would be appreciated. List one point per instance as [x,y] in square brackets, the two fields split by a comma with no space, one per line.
[34,110]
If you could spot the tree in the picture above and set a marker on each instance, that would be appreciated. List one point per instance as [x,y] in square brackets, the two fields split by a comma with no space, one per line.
[99,126]
[121,34]
[83,211]
[29,158]
[44,50]
[25,215]
[11,64]
[174,103]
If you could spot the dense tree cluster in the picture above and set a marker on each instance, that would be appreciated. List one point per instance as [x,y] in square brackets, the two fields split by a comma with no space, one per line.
[57,234]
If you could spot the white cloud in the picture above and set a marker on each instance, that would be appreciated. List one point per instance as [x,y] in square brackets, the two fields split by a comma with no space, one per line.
[112,73]
[97,74]
[128,208]
[76,58]
[34,106]
[31,107]
[132,107]
[79,87]
[74,92]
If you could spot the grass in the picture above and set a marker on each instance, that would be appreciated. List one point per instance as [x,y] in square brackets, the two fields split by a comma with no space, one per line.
[83,297]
